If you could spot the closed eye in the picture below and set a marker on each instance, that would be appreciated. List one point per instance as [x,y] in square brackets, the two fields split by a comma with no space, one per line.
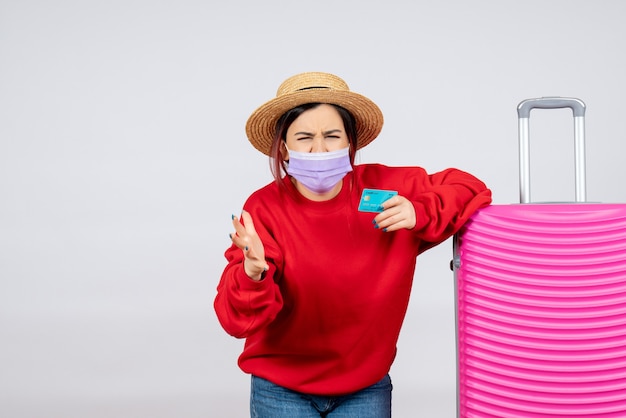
[331,134]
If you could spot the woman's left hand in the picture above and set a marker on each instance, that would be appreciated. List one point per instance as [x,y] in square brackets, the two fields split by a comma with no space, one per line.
[398,213]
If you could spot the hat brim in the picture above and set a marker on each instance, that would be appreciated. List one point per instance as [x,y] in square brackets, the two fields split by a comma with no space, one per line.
[261,125]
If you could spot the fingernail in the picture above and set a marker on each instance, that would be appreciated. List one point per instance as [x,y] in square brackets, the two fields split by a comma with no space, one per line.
[246,248]
[376,225]
[232,217]
[230,236]
[384,229]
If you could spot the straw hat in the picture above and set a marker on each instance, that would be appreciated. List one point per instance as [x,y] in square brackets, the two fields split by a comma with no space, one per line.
[313,87]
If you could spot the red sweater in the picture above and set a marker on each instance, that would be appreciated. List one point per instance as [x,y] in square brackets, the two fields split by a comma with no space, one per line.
[326,318]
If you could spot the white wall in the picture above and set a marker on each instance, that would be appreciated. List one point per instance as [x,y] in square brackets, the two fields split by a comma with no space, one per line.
[123,155]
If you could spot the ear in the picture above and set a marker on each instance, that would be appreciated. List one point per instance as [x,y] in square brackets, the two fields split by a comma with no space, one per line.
[283,151]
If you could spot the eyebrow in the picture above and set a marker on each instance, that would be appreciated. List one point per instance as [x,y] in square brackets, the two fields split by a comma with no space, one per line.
[332,131]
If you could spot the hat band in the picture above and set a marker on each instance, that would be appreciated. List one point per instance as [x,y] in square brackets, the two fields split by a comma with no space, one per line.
[313,87]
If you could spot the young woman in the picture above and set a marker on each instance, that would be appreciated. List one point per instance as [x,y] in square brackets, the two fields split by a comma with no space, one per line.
[318,277]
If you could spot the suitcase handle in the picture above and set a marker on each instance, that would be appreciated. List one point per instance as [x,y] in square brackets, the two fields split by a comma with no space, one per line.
[523,112]
[577,105]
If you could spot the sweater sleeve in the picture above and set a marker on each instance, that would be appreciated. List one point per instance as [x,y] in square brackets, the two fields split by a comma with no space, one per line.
[243,306]
[444,201]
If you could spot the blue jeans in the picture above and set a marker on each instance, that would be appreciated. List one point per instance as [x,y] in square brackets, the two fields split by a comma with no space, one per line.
[268,400]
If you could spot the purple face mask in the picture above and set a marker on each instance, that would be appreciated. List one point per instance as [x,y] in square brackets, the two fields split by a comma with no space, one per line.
[319,171]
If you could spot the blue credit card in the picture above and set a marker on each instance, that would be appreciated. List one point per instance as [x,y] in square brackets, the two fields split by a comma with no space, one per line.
[372,199]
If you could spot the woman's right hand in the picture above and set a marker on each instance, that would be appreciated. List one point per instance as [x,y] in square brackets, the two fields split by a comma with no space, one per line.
[248,241]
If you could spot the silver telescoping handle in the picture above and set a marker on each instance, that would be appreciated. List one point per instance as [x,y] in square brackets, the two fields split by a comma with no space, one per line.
[523,112]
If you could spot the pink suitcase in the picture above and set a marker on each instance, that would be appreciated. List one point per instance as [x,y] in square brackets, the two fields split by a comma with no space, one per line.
[541,301]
